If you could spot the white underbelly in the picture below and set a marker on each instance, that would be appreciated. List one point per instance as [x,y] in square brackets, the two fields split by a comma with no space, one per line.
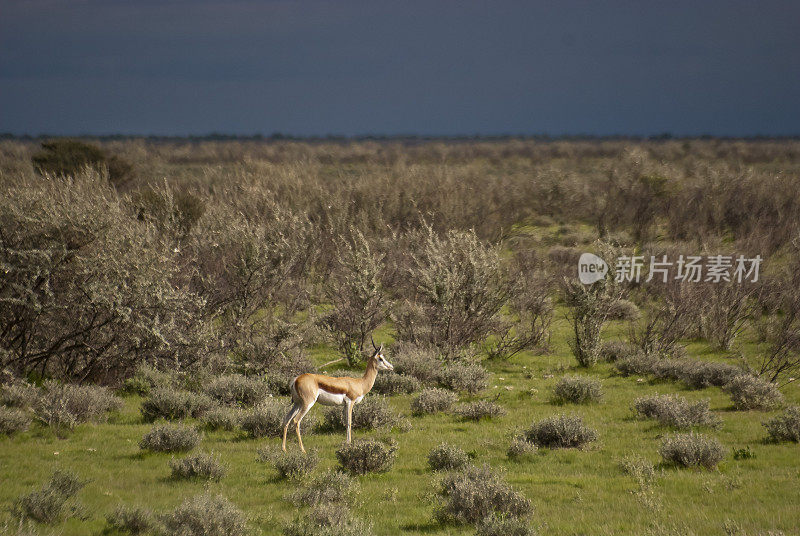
[330,399]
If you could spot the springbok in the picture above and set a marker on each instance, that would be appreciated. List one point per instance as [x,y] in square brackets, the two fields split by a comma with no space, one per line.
[331,391]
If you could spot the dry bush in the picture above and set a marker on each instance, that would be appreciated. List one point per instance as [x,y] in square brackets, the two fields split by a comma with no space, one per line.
[474,493]
[750,392]
[172,211]
[459,287]
[87,289]
[726,309]
[531,306]
[68,157]
[577,390]
[146,378]
[588,313]
[354,290]
[433,400]
[222,418]
[371,413]
[613,351]
[132,520]
[47,504]
[366,456]
[201,465]
[266,419]
[666,323]
[676,411]
[235,389]
[504,525]
[641,469]
[782,357]
[172,404]
[327,520]
[623,309]
[561,431]
[19,394]
[330,487]
[13,420]
[694,373]
[206,515]
[446,457]
[64,406]
[464,377]
[520,447]
[479,410]
[692,450]
[293,464]
[786,426]
[391,383]
[170,438]
[419,362]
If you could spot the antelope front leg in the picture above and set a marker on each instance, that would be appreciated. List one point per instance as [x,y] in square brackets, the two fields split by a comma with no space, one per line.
[349,420]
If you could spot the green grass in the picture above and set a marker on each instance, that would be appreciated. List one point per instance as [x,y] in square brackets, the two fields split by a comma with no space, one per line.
[573,491]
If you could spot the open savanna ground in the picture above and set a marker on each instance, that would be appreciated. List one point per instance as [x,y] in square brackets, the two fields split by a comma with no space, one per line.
[185,284]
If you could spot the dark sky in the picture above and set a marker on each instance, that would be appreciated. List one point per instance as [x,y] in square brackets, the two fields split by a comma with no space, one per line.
[382,67]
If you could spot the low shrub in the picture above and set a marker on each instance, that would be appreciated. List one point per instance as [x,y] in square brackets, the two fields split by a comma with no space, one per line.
[418,362]
[201,466]
[577,390]
[475,493]
[291,464]
[786,426]
[171,404]
[504,525]
[676,411]
[692,450]
[366,456]
[330,487]
[561,431]
[266,419]
[481,409]
[613,351]
[700,374]
[146,378]
[446,457]
[235,389]
[63,406]
[392,383]
[132,520]
[433,400]
[750,392]
[46,504]
[470,378]
[13,420]
[371,413]
[170,438]
[635,364]
[519,447]
[623,310]
[641,469]
[327,520]
[222,418]
[206,515]
[19,394]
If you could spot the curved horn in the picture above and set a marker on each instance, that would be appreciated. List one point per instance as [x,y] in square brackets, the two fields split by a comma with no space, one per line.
[373,342]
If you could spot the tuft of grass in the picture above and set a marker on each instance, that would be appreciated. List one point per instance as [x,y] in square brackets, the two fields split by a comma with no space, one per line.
[132,520]
[520,447]
[330,487]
